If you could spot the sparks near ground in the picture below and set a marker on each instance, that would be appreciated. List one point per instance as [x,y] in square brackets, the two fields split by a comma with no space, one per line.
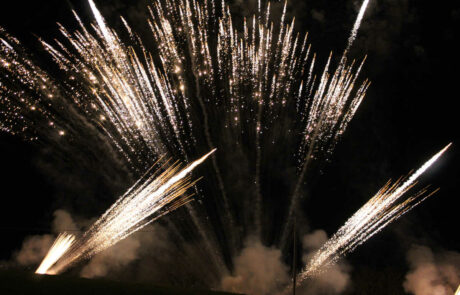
[59,247]
[209,85]
[146,201]
[385,207]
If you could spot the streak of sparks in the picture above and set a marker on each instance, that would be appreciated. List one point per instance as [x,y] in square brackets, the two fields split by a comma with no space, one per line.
[155,196]
[59,247]
[149,106]
[327,121]
[243,82]
[382,209]
[359,18]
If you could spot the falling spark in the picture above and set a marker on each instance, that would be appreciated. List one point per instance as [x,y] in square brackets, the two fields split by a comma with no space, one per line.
[382,209]
[59,247]
[154,197]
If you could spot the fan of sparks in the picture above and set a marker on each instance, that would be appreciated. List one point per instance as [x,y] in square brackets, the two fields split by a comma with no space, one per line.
[153,105]
[145,202]
[210,81]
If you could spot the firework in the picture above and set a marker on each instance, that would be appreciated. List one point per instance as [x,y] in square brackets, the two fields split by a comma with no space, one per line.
[146,201]
[149,106]
[59,247]
[248,90]
[385,207]
[326,123]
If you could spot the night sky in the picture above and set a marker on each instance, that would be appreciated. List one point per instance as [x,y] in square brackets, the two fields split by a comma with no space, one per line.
[409,113]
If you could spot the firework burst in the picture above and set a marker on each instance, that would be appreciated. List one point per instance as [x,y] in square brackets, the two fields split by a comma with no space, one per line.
[253,88]
[145,202]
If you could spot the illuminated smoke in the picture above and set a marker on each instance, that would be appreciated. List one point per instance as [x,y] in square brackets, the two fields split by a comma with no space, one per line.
[432,273]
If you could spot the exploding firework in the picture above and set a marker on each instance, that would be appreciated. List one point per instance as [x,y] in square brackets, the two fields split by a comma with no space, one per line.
[386,206]
[252,88]
[206,68]
[146,201]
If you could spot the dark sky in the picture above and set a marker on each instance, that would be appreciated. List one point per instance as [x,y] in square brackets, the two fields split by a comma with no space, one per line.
[410,113]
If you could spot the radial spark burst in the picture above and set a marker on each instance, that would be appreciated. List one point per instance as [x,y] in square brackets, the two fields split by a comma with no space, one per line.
[146,201]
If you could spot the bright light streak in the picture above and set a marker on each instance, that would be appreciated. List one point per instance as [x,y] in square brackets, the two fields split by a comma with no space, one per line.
[59,247]
[145,202]
[386,206]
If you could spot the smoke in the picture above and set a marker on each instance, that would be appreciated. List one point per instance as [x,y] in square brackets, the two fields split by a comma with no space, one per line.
[318,15]
[335,279]
[34,248]
[151,238]
[430,273]
[63,221]
[259,270]
[119,256]
[114,258]
[111,262]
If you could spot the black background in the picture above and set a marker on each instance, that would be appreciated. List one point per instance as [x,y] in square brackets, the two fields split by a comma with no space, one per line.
[409,113]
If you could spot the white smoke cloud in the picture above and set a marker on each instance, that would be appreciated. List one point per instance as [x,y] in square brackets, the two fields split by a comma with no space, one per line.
[258,271]
[115,257]
[432,274]
[63,222]
[151,238]
[335,279]
[34,248]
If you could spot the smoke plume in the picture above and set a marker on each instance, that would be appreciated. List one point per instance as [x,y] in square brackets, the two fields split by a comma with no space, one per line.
[34,248]
[114,258]
[119,256]
[430,273]
[258,270]
[335,279]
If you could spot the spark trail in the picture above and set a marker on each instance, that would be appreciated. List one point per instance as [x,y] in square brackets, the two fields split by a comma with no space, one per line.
[359,18]
[382,209]
[145,202]
[246,82]
[59,247]
[209,81]
[316,133]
